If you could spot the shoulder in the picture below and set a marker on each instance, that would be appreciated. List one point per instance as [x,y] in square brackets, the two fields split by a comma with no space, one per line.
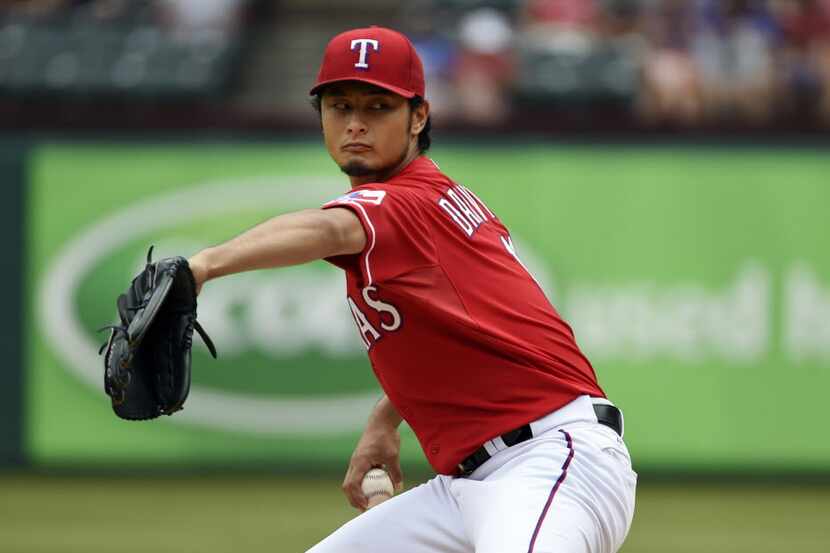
[369,194]
[393,193]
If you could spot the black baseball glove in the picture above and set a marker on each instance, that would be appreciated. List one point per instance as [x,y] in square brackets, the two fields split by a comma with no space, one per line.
[147,360]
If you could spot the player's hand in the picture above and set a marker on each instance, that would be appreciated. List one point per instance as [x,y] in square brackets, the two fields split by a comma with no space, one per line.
[380,446]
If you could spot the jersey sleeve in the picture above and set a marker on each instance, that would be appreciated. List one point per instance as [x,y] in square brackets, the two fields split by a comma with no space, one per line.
[398,238]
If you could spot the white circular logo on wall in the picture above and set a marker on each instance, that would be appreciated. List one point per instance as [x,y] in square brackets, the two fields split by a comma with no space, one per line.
[210,407]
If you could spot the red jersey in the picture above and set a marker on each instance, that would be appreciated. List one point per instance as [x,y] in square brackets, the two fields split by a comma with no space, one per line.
[460,336]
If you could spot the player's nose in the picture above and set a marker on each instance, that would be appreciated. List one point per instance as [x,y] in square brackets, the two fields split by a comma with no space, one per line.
[356,125]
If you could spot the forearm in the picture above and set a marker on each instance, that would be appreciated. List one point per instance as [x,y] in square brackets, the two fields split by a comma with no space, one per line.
[290,239]
[384,415]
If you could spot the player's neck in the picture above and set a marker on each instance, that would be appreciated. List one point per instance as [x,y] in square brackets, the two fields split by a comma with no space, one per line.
[386,174]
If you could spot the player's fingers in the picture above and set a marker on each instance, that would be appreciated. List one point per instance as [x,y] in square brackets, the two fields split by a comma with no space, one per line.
[396,474]
[355,498]
[351,485]
[349,491]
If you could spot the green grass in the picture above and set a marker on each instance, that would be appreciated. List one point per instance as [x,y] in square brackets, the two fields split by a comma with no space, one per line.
[713,519]
[40,514]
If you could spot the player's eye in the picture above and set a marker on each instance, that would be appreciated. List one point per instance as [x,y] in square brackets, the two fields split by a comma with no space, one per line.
[378,106]
[340,106]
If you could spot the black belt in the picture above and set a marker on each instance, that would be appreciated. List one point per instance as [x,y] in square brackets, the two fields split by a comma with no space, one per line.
[608,415]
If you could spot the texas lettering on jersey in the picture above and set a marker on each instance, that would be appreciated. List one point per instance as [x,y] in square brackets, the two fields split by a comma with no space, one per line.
[369,332]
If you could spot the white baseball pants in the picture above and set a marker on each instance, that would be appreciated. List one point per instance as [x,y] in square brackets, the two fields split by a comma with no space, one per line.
[569,489]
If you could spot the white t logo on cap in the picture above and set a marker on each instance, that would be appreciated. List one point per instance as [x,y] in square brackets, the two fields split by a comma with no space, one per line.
[364,50]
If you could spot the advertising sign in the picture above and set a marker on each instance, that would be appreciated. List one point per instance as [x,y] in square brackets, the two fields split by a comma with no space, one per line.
[696,280]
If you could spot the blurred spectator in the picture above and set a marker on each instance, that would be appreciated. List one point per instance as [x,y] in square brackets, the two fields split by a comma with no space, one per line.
[560,25]
[576,55]
[620,18]
[438,53]
[733,50]
[190,15]
[672,91]
[575,14]
[484,67]
[805,55]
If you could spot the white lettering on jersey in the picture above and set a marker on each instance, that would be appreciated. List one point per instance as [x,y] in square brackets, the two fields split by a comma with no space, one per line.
[368,333]
[363,325]
[381,308]
[508,245]
[459,219]
[471,215]
[465,209]
[364,44]
[474,201]
[477,200]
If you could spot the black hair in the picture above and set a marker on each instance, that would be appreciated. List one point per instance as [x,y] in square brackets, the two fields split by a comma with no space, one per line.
[424,140]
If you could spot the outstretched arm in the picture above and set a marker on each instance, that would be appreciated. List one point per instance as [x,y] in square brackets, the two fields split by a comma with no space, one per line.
[290,239]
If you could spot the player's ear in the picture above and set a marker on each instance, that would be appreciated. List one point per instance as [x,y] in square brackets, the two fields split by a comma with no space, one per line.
[418,117]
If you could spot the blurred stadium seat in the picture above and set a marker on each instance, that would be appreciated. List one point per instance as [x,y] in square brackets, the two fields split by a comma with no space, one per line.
[78,55]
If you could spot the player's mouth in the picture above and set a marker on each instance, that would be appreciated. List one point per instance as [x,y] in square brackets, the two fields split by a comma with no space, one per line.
[356,147]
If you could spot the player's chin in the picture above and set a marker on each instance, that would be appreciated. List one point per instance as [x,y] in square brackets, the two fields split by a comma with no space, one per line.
[357,167]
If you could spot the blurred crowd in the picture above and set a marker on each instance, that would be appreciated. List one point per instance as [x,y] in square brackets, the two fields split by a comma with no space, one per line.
[680,62]
[687,63]
[86,50]
[738,58]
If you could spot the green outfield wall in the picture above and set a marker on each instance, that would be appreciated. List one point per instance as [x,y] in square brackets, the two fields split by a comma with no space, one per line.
[696,279]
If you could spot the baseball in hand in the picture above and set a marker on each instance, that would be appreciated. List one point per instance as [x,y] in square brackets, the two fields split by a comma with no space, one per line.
[377,487]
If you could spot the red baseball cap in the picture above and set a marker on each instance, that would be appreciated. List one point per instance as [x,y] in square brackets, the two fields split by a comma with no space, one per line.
[374,55]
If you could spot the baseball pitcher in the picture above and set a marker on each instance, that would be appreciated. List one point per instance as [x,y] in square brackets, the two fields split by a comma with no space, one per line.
[528,451]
